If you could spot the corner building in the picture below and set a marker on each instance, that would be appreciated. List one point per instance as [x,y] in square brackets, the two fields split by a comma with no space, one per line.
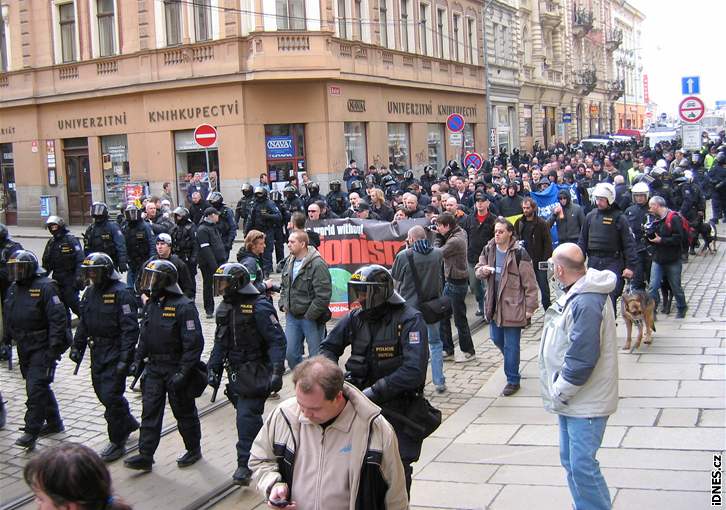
[99,98]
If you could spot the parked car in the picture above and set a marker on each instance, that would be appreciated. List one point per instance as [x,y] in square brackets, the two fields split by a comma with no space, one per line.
[633,133]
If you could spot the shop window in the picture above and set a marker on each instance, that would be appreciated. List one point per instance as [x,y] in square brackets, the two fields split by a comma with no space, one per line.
[285,152]
[355,143]
[435,143]
[194,163]
[116,171]
[399,155]
[67,21]
[4,39]
[106,27]
[383,20]
[527,115]
[469,144]
[404,25]
[202,20]
[172,18]
[290,14]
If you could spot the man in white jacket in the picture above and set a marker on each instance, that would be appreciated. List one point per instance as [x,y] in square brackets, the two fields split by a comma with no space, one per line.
[578,362]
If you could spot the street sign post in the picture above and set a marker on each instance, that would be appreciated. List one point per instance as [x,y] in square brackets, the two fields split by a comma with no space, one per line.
[473,159]
[455,123]
[691,136]
[567,118]
[690,85]
[205,135]
[691,109]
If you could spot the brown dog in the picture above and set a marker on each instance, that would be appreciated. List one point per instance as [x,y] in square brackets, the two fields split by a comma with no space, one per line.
[638,308]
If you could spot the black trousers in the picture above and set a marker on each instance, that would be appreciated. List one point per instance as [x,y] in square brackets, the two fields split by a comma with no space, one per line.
[410,450]
[41,405]
[109,389]
[208,289]
[154,390]
[68,292]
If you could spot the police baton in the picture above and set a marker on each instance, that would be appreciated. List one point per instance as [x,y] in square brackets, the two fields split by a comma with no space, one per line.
[139,372]
[10,356]
[214,394]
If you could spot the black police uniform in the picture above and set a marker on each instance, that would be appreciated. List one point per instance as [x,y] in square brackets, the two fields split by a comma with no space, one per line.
[186,281]
[184,244]
[227,228]
[389,353]
[8,247]
[263,216]
[242,210]
[109,326]
[637,216]
[250,337]
[337,202]
[106,236]
[62,256]
[171,339]
[211,255]
[35,317]
[140,245]
[279,230]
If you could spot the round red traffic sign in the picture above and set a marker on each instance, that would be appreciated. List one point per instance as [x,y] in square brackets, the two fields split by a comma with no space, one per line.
[205,135]
[455,123]
[691,109]
[473,159]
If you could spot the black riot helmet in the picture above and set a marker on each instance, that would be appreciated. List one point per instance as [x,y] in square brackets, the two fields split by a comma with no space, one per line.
[233,278]
[408,175]
[97,269]
[157,276]
[260,194]
[290,191]
[276,196]
[247,190]
[55,224]
[181,214]
[356,187]
[99,211]
[216,200]
[370,287]
[335,186]
[313,188]
[22,266]
[132,213]
[4,234]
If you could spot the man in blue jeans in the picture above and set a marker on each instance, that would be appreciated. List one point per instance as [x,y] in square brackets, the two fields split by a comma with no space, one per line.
[578,362]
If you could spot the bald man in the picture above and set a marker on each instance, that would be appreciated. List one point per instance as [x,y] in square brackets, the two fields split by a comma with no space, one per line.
[578,362]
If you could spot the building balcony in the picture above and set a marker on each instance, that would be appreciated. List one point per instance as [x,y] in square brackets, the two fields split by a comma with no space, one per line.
[582,22]
[585,81]
[259,56]
[549,13]
[616,89]
[613,39]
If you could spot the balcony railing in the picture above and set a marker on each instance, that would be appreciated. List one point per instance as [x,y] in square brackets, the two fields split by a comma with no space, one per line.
[582,21]
[585,81]
[614,39]
[549,13]
[616,88]
[293,43]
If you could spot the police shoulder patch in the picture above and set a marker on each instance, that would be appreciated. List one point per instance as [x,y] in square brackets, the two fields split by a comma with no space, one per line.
[414,337]
[126,308]
[56,300]
[190,325]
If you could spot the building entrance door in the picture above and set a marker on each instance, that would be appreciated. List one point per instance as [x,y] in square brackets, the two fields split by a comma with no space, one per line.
[78,177]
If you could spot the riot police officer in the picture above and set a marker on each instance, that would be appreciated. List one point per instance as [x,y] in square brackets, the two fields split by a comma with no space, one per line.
[226,225]
[607,240]
[244,204]
[636,215]
[336,199]
[110,327]
[389,353]
[292,202]
[717,180]
[171,339]
[106,237]
[250,339]
[263,217]
[313,195]
[62,257]
[211,256]
[139,238]
[35,318]
[689,202]
[8,248]
[279,228]
[184,239]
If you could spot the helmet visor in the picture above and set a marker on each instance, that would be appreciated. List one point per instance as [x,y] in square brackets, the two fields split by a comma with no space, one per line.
[223,284]
[93,275]
[152,280]
[132,214]
[20,270]
[366,296]
[98,210]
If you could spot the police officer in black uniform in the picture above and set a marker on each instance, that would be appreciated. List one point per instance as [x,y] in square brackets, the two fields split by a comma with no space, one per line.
[172,342]
[184,239]
[263,216]
[106,237]
[279,228]
[109,326]
[637,216]
[139,238]
[313,193]
[35,318]
[226,225]
[244,204]
[8,248]
[292,202]
[250,339]
[336,199]
[607,240]
[717,181]
[62,257]
[211,255]
[389,353]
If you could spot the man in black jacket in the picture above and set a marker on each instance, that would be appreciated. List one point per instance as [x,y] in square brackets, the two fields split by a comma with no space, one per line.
[197,208]
[666,235]
[534,233]
[186,282]
[212,254]
[184,239]
[568,217]
[479,227]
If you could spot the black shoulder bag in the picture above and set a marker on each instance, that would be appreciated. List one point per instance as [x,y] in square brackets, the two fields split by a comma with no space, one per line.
[433,310]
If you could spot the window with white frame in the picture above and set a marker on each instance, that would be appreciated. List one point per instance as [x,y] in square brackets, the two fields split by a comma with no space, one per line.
[423,24]
[457,37]
[4,40]
[470,41]
[404,25]
[358,21]
[440,22]
[67,22]
[290,14]
[106,27]
[383,20]
[172,18]
[342,27]
[202,20]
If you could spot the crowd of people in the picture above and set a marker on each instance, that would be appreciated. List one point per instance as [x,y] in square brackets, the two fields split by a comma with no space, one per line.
[625,214]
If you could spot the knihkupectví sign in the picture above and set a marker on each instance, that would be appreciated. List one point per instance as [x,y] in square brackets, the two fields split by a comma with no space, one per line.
[279,147]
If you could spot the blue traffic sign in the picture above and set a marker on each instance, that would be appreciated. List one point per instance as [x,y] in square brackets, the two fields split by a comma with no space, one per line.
[473,159]
[690,85]
[455,122]
[720,105]
[567,118]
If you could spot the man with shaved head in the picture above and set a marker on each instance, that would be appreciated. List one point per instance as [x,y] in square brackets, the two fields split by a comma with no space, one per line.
[578,360]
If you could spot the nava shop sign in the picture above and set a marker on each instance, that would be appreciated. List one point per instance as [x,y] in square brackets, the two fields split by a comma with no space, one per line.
[279,147]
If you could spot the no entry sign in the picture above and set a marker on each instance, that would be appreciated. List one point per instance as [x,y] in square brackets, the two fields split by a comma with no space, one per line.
[691,109]
[205,135]
[473,159]
[455,123]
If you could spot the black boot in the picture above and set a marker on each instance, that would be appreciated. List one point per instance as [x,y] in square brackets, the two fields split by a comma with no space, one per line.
[669,303]
[47,429]
[26,441]
[664,293]
[242,476]
[113,452]
[140,463]
[189,458]
[3,414]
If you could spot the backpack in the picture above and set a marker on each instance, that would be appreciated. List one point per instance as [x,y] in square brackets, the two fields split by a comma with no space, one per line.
[686,226]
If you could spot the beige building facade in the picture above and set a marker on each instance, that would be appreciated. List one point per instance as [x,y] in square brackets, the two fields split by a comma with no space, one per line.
[99,98]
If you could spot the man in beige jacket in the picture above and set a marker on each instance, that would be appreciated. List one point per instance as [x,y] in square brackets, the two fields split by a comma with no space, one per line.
[328,447]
